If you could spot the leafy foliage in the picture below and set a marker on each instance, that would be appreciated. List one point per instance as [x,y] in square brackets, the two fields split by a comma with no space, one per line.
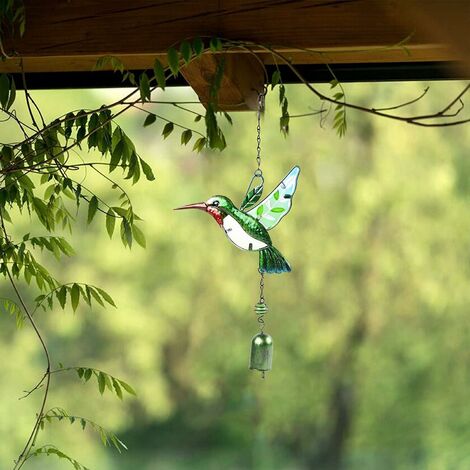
[12,19]
[284,104]
[74,292]
[107,438]
[9,307]
[103,380]
[339,122]
[52,450]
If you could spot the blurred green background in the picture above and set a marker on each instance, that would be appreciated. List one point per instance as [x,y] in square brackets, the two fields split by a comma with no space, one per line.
[371,329]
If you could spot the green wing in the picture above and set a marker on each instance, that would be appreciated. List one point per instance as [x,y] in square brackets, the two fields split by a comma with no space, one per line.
[272,209]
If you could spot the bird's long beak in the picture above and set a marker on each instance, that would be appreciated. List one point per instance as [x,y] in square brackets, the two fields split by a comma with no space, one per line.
[197,205]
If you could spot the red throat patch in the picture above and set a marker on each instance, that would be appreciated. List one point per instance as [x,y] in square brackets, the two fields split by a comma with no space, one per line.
[214,212]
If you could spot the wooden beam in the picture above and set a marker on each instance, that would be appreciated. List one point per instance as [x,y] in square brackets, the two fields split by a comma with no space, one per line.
[85,63]
[70,36]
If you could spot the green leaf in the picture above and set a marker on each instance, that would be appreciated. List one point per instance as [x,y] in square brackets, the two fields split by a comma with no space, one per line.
[173,61]
[260,210]
[198,46]
[215,45]
[61,295]
[282,93]
[186,136]
[81,133]
[127,388]
[12,96]
[109,384]
[144,87]
[159,72]
[116,138]
[75,296]
[102,62]
[65,246]
[278,209]
[96,296]
[116,64]
[186,51]
[131,77]
[117,388]
[49,191]
[199,144]
[275,78]
[276,195]
[126,233]
[87,374]
[106,296]
[147,170]
[104,438]
[86,295]
[150,119]
[139,236]
[168,129]
[82,118]
[228,117]
[101,382]
[92,208]
[116,155]
[110,222]
[4,89]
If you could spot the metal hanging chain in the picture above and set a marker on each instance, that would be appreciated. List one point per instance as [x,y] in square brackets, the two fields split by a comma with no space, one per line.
[260,308]
[261,288]
[259,172]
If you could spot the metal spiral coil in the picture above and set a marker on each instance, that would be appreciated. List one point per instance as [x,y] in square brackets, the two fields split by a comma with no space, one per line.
[261,308]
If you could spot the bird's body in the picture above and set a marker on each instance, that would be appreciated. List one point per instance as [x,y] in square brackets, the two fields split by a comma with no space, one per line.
[249,230]
[245,232]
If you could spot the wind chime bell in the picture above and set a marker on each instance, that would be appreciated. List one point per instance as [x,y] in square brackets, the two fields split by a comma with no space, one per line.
[261,357]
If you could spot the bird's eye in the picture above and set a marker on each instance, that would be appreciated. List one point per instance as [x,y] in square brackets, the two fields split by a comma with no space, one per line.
[215,203]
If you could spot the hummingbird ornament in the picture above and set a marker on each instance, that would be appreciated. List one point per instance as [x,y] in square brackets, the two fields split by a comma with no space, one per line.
[248,230]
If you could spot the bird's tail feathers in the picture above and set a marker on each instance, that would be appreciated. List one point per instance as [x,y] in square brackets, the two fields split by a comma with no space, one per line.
[271,261]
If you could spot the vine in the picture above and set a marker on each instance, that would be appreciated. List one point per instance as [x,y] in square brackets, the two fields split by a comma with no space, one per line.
[40,175]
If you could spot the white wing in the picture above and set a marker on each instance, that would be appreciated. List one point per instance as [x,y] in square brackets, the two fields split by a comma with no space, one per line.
[274,207]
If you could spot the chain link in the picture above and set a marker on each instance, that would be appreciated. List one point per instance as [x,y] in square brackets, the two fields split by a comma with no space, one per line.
[257,180]
[261,289]
[258,136]
[261,103]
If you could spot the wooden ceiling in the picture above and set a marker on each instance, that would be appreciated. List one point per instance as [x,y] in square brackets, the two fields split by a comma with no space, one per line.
[69,35]
[66,35]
